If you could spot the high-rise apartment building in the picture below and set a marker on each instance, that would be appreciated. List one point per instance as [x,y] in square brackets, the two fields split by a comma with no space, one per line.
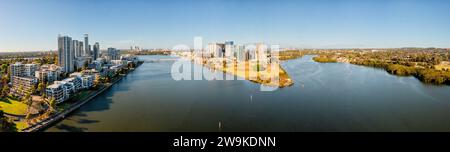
[241,54]
[96,51]
[81,48]
[229,49]
[261,51]
[66,53]
[87,49]
[77,48]
[216,49]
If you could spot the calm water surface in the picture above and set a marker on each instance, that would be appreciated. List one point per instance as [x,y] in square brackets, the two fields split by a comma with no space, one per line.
[325,97]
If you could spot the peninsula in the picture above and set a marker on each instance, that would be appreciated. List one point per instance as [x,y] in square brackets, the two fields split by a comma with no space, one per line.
[253,62]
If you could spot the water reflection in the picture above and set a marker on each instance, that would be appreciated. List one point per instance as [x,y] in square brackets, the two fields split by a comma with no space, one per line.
[64,127]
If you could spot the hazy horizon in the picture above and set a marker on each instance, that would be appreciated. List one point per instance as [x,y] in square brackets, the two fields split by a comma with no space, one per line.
[34,25]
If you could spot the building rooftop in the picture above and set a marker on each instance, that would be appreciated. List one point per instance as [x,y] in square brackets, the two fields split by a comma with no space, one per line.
[76,74]
[54,85]
[68,79]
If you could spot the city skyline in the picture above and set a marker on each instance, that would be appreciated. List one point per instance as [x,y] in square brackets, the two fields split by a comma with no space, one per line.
[157,24]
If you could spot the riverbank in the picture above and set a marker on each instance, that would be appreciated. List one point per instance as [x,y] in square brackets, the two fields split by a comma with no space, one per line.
[42,125]
[324,59]
[426,74]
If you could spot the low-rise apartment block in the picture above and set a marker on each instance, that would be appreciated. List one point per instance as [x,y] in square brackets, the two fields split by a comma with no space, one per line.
[22,85]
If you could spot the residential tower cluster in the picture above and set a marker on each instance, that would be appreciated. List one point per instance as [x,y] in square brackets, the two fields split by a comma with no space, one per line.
[239,52]
[78,67]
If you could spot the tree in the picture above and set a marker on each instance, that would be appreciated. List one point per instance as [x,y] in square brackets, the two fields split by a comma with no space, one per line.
[5,79]
[96,83]
[55,60]
[4,68]
[43,96]
[27,98]
[6,124]
[5,91]
[52,103]
[40,87]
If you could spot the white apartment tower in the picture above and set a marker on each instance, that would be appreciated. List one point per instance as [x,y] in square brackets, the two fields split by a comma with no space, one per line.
[87,49]
[261,51]
[66,54]
[229,49]
[76,48]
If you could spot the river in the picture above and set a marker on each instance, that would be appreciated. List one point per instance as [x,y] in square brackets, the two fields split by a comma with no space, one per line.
[325,97]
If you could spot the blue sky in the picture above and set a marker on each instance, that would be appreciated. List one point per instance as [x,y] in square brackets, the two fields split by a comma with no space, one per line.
[27,25]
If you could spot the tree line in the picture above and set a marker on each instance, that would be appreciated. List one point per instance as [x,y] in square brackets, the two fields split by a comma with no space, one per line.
[403,62]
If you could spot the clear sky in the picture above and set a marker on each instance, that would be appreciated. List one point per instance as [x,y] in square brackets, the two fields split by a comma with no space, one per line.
[27,25]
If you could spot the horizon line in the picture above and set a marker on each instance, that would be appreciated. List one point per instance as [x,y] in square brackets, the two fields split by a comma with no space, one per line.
[294,48]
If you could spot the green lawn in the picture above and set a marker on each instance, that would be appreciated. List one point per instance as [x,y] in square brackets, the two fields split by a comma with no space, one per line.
[21,125]
[14,107]
[81,95]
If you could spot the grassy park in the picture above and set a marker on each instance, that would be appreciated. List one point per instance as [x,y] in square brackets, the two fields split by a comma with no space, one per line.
[13,107]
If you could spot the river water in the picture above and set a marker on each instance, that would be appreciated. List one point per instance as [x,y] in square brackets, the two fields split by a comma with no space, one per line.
[325,97]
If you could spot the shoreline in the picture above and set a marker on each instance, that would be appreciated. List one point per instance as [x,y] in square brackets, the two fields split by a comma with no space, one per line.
[42,125]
